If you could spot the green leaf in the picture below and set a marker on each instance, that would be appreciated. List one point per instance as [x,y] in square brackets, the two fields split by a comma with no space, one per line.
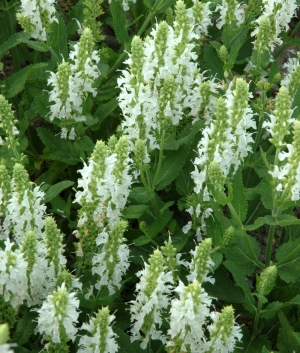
[62,149]
[141,195]
[56,189]
[224,288]
[273,72]
[271,310]
[125,344]
[25,328]
[135,211]
[266,192]
[171,166]
[16,82]
[287,343]
[239,201]
[76,14]
[119,22]
[296,104]
[58,40]
[165,5]
[154,228]
[235,49]
[84,144]
[22,37]
[289,271]
[103,111]
[213,63]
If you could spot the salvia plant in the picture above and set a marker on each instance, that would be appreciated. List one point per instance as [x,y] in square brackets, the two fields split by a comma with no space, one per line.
[149,176]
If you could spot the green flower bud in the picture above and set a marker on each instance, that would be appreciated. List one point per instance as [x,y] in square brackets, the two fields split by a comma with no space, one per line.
[181,23]
[139,152]
[92,11]
[167,97]
[282,114]
[277,79]
[155,267]
[224,327]
[136,62]
[7,122]
[121,151]
[29,249]
[160,41]
[54,244]
[5,189]
[267,280]
[170,253]
[85,49]
[215,176]
[265,34]
[228,236]
[66,278]
[4,333]
[223,53]
[201,262]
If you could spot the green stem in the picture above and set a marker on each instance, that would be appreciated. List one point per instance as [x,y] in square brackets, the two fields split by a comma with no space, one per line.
[287,42]
[121,57]
[258,135]
[238,221]
[275,213]
[259,160]
[14,50]
[257,314]
[160,159]
[289,256]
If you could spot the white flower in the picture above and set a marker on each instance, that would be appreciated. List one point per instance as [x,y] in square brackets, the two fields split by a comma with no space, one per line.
[102,337]
[152,298]
[58,315]
[188,317]
[13,280]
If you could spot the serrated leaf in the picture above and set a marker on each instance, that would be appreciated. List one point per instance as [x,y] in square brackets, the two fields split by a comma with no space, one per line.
[165,5]
[56,189]
[213,63]
[103,112]
[286,342]
[22,37]
[125,344]
[84,144]
[289,271]
[76,14]
[266,192]
[58,39]
[25,328]
[62,149]
[271,310]
[296,104]
[119,22]
[239,201]
[16,82]
[224,288]
[260,221]
[154,228]
[171,167]
[135,211]
[141,195]
[235,49]
[12,41]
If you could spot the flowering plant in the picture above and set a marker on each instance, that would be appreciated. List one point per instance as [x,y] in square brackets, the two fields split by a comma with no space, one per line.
[149,176]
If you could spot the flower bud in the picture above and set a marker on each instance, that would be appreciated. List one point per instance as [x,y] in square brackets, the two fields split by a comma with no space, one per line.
[267,280]
[215,176]
[228,236]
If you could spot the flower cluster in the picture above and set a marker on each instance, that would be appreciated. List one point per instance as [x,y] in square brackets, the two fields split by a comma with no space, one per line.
[57,317]
[24,209]
[163,81]
[230,12]
[227,139]
[101,336]
[292,78]
[152,298]
[36,16]
[72,83]
[276,17]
